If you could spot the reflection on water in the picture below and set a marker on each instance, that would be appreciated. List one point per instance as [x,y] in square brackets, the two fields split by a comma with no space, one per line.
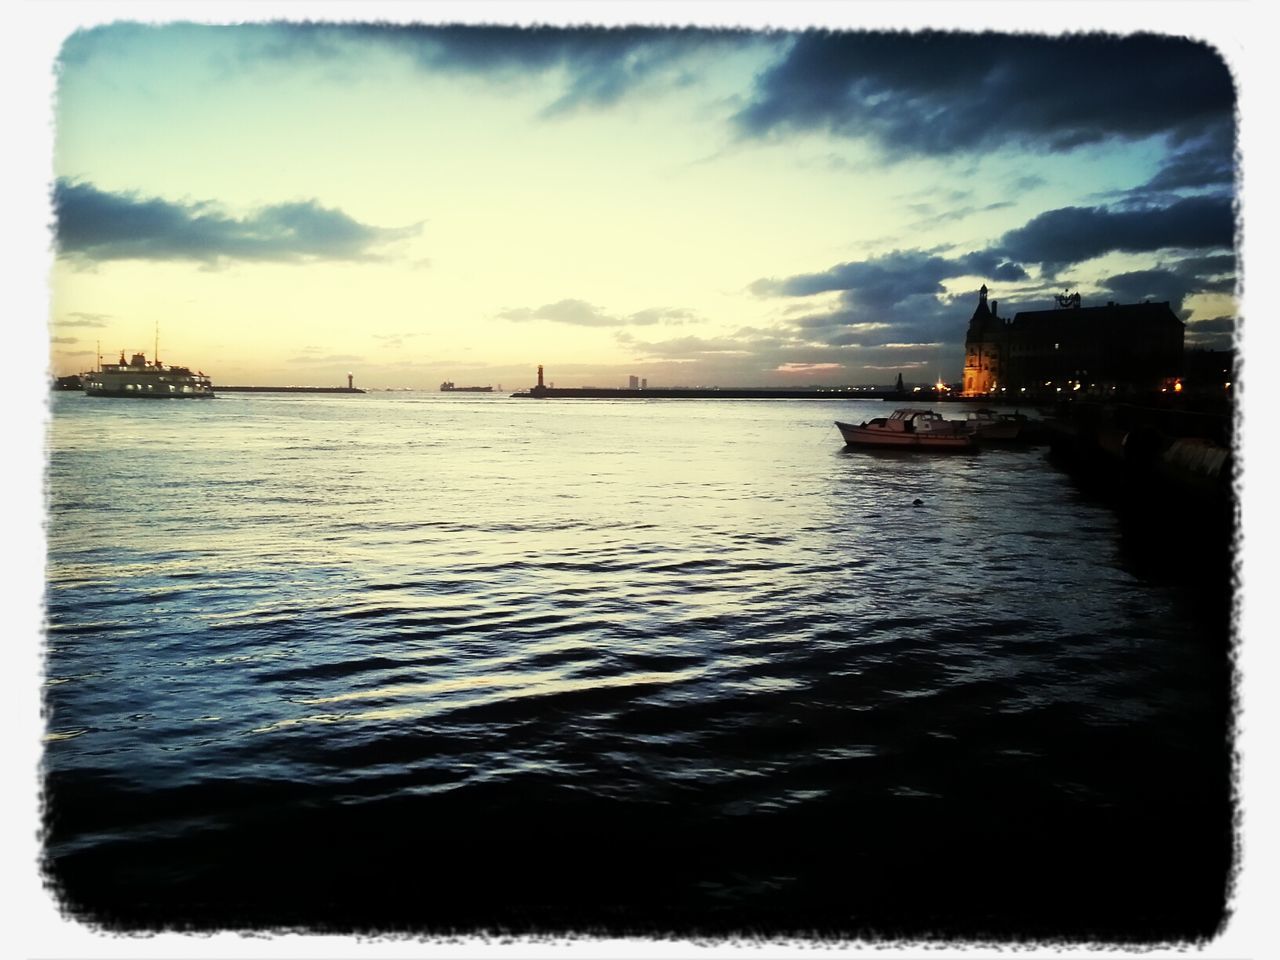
[446,662]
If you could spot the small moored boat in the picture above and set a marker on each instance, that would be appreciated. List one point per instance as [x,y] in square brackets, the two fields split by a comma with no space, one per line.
[918,429]
[986,424]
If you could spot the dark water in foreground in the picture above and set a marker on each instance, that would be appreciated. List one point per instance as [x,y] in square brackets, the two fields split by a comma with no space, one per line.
[411,662]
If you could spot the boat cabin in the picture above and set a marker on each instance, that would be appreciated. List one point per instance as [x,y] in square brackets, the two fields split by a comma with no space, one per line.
[913,421]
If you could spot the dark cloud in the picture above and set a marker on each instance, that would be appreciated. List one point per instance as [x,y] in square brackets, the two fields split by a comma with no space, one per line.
[1206,163]
[1218,265]
[1175,282]
[937,93]
[1157,285]
[901,297]
[885,281]
[770,357]
[1213,325]
[893,309]
[600,65]
[582,314]
[1068,235]
[93,224]
[917,319]
[1216,333]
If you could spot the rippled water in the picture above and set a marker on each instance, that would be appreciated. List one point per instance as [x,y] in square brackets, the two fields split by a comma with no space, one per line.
[409,661]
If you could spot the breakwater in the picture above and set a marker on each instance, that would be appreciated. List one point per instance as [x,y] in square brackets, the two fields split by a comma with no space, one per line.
[221,389]
[711,393]
[774,393]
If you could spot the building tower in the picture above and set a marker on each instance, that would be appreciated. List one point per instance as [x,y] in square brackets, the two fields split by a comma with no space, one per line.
[540,385]
[984,346]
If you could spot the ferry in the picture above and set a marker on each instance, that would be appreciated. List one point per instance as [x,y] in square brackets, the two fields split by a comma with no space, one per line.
[143,378]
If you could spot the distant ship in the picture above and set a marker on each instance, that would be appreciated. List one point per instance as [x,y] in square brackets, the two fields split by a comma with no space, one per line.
[140,378]
[448,387]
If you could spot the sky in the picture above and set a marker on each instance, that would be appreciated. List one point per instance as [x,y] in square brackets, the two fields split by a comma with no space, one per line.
[287,202]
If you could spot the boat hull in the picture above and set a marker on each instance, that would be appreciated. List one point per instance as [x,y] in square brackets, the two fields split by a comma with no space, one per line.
[860,436]
[1001,430]
[144,395]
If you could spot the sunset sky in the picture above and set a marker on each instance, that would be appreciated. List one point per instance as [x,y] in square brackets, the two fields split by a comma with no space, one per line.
[290,202]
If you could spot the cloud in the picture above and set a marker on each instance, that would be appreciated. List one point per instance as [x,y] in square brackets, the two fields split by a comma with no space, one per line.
[757,356]
[932,93]
[1158,285]
[395,340]
[890,279]
[328,358]
[97,225]
[1175,282]
[668,315]
[599,65]
[80,319]
[576,312]
[1205,163]
[691,348]
[807,368]
[64,340]
[892,309]
[582,314]
[1213,325]
[955,215]
[1216,333]
[900,301]
[1068,235]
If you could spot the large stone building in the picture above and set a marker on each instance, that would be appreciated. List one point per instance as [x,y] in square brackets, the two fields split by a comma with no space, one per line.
[1117,348]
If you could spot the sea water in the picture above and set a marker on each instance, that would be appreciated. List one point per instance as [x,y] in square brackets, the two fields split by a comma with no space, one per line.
[406,661]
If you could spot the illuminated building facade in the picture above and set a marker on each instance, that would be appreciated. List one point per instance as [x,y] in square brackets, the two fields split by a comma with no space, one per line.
[1116,348]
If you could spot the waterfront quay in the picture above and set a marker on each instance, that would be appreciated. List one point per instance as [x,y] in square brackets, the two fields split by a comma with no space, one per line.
[1169,473]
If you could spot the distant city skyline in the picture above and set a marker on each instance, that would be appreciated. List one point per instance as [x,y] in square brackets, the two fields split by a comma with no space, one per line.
[292,202]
